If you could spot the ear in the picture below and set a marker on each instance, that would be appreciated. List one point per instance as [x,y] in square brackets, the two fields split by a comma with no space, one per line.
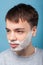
[34,29]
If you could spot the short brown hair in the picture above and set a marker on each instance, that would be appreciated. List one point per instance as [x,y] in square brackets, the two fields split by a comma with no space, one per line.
[24,12]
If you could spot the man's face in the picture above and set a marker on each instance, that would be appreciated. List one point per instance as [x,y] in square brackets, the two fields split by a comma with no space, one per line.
[17,31]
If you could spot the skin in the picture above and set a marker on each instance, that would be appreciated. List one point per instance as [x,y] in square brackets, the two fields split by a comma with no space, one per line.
[18,31]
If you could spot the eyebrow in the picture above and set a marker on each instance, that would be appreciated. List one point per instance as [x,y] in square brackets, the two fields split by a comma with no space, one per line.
[16,29]
[7,28]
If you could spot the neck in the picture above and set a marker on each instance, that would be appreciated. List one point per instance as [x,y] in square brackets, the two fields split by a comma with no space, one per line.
[27,51]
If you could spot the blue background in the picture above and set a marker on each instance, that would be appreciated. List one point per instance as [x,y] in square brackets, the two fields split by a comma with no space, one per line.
[5,5]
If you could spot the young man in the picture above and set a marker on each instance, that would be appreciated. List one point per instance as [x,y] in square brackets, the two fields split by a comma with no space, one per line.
[21,26]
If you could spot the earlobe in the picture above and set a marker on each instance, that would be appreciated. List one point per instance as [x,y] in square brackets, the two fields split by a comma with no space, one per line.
[34,34]
[34,30]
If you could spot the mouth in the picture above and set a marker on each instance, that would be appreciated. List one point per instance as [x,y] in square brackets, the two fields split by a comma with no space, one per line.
[14,45]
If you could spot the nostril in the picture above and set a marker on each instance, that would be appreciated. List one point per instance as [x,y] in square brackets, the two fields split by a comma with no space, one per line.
[12,40]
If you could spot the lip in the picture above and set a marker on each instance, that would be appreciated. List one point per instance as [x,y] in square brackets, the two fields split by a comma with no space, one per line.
[14,45]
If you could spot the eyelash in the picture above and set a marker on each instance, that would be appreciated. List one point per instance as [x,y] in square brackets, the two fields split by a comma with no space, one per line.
[8,30]
[20,31]
[17,31]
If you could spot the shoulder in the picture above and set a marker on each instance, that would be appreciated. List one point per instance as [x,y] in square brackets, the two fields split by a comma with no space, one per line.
[39,52]
[4,55]
[4,52]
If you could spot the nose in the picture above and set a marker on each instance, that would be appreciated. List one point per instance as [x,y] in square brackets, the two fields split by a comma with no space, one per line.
[13,37]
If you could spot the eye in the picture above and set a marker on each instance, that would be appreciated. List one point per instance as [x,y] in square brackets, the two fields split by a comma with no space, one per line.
[7,30]
[20,32]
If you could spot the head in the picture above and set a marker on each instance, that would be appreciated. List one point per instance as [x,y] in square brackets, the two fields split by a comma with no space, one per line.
[21,25]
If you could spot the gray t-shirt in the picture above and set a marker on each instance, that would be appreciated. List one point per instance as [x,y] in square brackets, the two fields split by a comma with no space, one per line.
[11,58]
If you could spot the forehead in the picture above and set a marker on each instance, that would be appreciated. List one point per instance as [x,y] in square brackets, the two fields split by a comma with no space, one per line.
[20,24]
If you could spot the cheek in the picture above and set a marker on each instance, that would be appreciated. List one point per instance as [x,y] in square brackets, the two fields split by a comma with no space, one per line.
[21,37]
[8,36]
